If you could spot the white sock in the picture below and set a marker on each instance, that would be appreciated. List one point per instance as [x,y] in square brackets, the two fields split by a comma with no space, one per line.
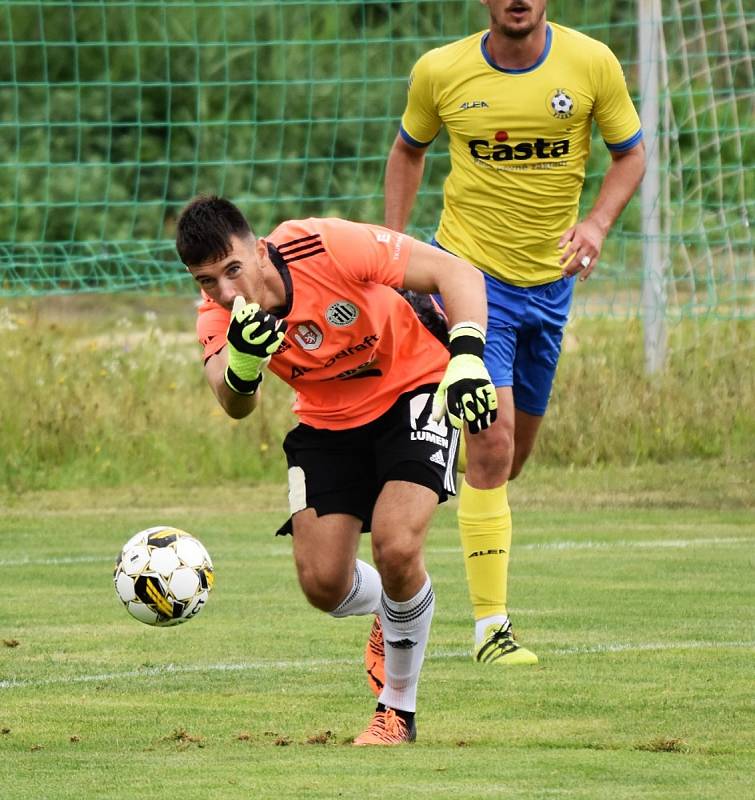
[406,628]
[364,595]
[483,622]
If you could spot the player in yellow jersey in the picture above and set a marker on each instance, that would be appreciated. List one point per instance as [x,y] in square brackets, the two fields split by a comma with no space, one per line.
[518,102]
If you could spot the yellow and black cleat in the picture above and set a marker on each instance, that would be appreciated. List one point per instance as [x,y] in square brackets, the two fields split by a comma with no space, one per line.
[500,647]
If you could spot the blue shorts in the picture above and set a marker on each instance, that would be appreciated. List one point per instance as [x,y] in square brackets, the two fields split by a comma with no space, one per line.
[525,328]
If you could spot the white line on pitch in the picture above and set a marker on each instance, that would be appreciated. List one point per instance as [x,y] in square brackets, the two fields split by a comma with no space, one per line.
[612,648]
[566,545]
[249,666]
[647,646]
[174,669]
[589,545]
[629,543]
[51,562]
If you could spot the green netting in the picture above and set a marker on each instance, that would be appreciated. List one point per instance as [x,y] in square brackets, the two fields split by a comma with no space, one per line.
[113,113]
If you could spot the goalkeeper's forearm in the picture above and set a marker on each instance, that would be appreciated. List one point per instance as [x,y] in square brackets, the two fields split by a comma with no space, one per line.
[462,286]
[234,404]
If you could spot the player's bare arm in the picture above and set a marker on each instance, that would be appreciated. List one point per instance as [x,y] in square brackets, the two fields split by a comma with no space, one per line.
[237,406]
[403,175]
[583,242]
[431,270]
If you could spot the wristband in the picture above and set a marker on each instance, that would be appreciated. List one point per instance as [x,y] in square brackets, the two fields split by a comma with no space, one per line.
[240,386]
[466,338]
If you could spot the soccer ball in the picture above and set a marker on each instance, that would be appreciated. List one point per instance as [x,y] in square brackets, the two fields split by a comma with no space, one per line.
[163,576]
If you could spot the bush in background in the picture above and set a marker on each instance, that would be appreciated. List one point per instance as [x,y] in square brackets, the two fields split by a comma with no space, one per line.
[109,391]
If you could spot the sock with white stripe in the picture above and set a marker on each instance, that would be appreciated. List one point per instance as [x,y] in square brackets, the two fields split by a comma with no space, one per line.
[406,628]
[364,595]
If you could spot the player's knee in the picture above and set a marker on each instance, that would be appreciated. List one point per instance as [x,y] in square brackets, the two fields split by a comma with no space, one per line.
[397,557]
[490,459]
[324,589]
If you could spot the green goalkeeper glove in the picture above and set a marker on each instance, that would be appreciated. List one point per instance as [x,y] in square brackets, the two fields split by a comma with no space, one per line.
[253,336]
[466,389]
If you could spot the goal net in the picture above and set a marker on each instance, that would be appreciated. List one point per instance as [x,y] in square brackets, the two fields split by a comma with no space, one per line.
[113,113]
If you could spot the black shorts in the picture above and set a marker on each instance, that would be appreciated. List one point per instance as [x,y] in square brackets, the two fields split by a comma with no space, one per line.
[343,472]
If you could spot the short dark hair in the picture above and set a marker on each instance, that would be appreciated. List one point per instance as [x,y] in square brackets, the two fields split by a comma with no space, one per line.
[205,227]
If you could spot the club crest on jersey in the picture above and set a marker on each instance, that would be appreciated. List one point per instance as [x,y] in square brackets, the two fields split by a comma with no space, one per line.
[341,313]
[561,103]
[308,336]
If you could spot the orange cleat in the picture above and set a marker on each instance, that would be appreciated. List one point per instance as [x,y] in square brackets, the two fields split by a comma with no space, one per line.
[387,728]
[374,658]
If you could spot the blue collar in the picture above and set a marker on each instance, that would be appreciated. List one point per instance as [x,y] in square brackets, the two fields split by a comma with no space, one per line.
[541,58]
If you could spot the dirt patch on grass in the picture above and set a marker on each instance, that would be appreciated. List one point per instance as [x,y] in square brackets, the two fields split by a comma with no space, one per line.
[663,744]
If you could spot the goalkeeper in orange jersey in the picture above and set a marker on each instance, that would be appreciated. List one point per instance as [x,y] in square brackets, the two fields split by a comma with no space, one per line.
[517,101]
[379,401]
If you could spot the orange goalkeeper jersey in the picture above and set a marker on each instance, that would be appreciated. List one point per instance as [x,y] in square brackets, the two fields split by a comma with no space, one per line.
[353,343]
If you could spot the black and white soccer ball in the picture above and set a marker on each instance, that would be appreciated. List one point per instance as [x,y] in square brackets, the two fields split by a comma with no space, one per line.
[561,103]
[163,576]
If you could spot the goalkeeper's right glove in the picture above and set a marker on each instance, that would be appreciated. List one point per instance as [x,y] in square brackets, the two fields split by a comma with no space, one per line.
[466,389]
[253,336]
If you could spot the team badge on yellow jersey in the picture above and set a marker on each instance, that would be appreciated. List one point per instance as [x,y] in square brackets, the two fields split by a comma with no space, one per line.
[562,103]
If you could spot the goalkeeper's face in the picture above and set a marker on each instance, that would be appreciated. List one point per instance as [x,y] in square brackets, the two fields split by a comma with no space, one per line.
[239,272]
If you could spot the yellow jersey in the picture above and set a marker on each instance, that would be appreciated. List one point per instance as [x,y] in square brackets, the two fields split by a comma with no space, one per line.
[518,142]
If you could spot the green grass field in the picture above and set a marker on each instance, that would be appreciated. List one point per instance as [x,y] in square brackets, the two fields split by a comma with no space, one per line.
[634,587]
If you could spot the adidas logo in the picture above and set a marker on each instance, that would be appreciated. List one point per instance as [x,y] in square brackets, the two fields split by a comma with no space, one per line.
[402,644]
[437,458]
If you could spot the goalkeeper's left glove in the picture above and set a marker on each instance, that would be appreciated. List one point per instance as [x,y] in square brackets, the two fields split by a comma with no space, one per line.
[253,336]
[466,389]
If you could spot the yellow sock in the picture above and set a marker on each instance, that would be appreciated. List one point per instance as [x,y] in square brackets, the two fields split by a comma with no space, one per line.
[484,520]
